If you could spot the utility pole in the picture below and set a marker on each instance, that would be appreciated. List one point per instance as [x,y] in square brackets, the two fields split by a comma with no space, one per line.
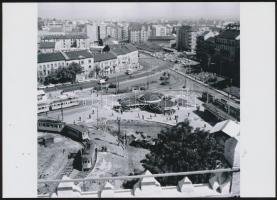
[118,134]
[62,110]
[147,81]
[118,122]
[97,117]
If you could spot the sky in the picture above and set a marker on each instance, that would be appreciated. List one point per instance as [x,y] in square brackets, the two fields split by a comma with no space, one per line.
[138,11]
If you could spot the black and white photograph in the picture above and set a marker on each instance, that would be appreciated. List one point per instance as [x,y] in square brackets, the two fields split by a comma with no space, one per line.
[138,100]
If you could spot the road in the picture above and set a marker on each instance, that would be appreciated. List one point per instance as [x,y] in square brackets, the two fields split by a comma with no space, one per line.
[150,65]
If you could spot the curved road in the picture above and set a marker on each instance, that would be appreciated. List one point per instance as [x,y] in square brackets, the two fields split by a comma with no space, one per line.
[150,65]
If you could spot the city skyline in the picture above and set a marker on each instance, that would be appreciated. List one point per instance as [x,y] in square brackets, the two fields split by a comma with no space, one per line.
[132,11]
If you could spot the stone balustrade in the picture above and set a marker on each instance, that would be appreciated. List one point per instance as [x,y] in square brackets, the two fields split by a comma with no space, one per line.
[219,186]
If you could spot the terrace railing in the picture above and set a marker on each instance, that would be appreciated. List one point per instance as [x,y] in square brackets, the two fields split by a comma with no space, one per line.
[149,186]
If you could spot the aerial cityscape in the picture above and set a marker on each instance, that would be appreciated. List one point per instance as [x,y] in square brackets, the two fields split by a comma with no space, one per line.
[138,103]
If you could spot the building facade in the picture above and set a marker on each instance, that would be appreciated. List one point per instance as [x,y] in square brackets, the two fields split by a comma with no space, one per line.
[183,42]
[227,53]
[121,58]
[68,41]
[159,30]
[92,32]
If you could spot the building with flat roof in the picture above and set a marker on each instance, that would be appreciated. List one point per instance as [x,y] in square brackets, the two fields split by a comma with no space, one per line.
[164,41]
[67,41]
[183,42]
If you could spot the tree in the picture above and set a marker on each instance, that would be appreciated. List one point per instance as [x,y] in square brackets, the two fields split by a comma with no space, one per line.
[97,70]
[91,74]
[106,48]
[63,75]
[74,44]
[179,149]
[75,67]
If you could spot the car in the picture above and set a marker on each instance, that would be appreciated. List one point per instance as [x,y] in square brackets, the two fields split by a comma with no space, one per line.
[41,87]
[102,81]
[142,88]
[129,72]
[105,78]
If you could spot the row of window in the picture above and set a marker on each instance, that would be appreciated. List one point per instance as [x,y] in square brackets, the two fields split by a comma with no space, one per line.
[60,64]
[42,107]
[86,161]
[226,42]
[50,125]
[64,103]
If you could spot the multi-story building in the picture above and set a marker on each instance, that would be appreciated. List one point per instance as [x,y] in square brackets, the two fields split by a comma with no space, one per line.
[105,63]
[159,30]
[50,62]
[119,33]
[68,27]
[164,41]
[134,34]
[67,41]
[227,52]
[125,32]
[120,58]
[127,57]
[194,35]
[82,57]
[144,33]
[183,42]
[227,43]
[139,33]
[92,32]
[169,29]
[102,30]
[205,48]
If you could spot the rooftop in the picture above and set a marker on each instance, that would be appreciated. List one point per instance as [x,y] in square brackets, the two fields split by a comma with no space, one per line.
[168,37]
[47,45]
[229,34]
[50,57]
[62,37]
[98,57]
[228,127]
[56,29]
[80,54]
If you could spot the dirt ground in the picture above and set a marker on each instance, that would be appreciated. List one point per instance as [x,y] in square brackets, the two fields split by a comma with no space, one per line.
[52,159]
[116,161]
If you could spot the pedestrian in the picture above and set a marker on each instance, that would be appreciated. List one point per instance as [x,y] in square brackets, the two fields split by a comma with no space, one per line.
[143,117]
[188,114]
[63,151]
[92,111]
[138,115]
